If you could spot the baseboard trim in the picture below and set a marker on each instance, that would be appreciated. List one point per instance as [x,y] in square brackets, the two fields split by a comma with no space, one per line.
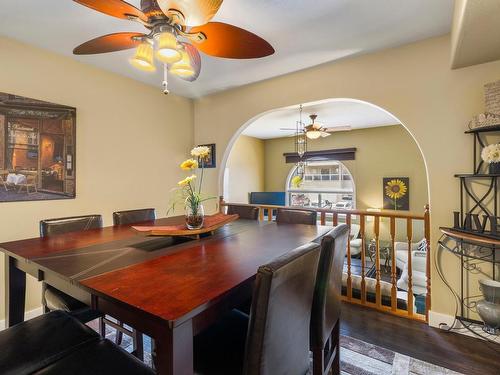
[448,322]
[27,315]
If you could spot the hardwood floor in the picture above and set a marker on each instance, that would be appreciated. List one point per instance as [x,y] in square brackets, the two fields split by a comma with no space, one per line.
[456,352]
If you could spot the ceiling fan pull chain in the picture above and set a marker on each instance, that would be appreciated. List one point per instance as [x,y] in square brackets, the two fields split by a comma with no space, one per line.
[165,79]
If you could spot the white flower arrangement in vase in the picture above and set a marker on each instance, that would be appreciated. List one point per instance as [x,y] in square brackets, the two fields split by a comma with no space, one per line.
[491,155]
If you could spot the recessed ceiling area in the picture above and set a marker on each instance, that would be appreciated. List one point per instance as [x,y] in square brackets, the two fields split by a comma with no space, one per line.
[304,34]
[331,114]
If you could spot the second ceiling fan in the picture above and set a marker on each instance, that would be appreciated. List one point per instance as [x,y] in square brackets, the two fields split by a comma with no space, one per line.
[316,130]
[177,30]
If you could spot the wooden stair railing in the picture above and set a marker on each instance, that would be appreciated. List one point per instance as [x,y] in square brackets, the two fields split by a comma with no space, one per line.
[364,292]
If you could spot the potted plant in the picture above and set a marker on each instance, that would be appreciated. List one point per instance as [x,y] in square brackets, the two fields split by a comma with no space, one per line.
[491,155]
[189,190]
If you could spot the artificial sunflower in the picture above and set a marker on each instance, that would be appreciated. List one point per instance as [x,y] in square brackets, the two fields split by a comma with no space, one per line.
[395,189]
[187,181]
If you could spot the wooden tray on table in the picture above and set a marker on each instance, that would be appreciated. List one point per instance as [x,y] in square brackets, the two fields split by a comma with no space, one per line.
[210,224]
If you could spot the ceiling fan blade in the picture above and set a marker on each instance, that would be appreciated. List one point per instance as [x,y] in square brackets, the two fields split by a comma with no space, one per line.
[195,58]
[194,12]
[338,129]
[108,43]
[325,134]
[224,40]
[288,129]
[115,8]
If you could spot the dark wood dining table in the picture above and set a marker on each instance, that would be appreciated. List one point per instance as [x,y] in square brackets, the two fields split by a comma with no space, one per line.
[167,288]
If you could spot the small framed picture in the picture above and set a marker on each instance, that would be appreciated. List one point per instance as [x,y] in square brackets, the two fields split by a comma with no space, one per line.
[396,192]
[210,161]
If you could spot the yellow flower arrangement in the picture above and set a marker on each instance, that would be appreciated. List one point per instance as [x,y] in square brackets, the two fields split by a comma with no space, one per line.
[396,189]
[189,164]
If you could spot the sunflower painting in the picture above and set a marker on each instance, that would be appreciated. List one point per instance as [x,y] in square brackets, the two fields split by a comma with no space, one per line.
[396,193]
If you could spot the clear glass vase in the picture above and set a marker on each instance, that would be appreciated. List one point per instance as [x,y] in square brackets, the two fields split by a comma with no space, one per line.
[194,216]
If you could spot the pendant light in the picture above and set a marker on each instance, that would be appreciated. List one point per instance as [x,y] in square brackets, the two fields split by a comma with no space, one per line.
[300,144]
[143,58]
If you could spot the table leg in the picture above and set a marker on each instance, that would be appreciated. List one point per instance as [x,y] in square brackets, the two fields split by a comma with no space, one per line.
[174,351]
[15,292]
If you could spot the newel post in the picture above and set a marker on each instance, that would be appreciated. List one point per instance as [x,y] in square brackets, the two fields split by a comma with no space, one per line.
[427,233]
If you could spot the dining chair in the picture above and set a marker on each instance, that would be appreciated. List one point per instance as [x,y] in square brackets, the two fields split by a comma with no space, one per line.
[57,343]
[245,212]
[287,216]
[53,299]
[133,216]
[325,314]
[274,339]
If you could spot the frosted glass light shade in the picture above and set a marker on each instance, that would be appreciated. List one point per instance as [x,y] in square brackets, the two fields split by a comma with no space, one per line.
[313,134]
[183,68]
[167,48]
[143,58]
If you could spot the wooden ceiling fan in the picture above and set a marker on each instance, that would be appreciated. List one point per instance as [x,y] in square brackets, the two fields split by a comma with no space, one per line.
[316,130]
[177,31]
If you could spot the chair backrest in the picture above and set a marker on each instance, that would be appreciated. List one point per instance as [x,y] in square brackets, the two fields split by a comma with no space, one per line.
[278,330]
[62,225]
[288,216]
[327,293]
[133,216]
[245,212]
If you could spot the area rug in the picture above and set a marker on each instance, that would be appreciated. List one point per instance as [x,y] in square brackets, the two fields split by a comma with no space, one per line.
[357,358]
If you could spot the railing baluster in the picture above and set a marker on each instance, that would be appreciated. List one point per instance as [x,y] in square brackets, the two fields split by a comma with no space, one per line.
[427,234]
[349,279]
[323,217]
[261,213]
[409,233]
[335,219]
[269,214]
[378,293]
[394,298]
[363,257]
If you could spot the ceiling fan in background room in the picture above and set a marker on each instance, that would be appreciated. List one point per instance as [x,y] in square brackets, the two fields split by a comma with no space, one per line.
[316,130]
[177,31]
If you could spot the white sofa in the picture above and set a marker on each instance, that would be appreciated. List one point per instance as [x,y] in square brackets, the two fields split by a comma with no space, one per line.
[419,264]
[355,241]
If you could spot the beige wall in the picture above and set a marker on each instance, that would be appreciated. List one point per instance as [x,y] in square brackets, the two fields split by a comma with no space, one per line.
[387,151]
[245,169]
[413,82]
[127,144]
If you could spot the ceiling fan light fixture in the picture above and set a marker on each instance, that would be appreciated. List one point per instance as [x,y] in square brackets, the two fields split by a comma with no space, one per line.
[183,68]
[313,134]
[143,58]
[167,47]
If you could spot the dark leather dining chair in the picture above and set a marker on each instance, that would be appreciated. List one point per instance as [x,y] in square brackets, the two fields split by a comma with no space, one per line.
[325,322]
[245,212]
[55,343]
[133,216]
[52,298]
[274,339]
[287,216]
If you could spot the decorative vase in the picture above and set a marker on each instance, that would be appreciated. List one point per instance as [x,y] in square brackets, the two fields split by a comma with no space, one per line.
[194,216]
[494,168]
[489,308]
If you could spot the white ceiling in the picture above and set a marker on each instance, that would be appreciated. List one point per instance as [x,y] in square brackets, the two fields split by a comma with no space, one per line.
[304,33]
[358,115]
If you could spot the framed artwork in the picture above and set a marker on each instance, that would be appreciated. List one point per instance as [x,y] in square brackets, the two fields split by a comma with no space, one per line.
[396,192]
[37,150]
[210,161]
